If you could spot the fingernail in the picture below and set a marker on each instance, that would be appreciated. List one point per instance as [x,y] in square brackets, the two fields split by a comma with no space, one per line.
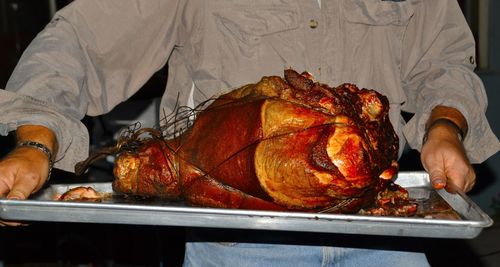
[438,182]
[14,197]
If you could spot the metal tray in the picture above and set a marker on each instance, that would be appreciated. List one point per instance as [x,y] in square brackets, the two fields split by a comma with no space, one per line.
[121,210]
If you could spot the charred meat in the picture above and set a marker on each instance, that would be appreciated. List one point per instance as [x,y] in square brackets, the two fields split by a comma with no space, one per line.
[280,144]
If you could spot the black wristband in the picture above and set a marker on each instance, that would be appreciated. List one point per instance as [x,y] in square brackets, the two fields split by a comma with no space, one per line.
[460,133]
[42,148]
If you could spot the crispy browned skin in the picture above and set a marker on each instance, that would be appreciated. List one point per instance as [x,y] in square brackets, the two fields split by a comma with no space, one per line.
[280,144]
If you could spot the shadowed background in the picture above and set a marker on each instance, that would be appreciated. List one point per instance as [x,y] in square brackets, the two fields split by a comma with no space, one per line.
[72,244]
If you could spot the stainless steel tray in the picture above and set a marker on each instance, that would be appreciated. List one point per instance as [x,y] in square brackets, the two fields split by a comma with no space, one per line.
[121,210]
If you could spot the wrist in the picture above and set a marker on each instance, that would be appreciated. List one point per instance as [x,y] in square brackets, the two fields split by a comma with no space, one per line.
[443,128]
[42,148]
[39,138]
[449,118]
[39,134]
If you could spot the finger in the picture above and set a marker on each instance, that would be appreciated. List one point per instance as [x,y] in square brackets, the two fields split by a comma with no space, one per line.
[4,187]
[23,187]
[452,187]
[456,181]
[438,178]
[460,177]
[470,181]
[11,224]
[6,181]
[17,194]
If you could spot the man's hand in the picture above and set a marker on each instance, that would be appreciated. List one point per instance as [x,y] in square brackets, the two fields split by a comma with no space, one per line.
[25,169]
[22,172]
[443,154]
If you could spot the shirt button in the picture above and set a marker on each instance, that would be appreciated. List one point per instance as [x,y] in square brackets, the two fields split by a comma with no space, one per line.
[472,60]
[313,24]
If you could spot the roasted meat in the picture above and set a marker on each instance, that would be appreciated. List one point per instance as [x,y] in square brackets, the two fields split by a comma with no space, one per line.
[280,144]
[81,193]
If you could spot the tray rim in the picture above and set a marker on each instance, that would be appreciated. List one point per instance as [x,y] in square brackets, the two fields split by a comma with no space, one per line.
[237,212]
[99,213]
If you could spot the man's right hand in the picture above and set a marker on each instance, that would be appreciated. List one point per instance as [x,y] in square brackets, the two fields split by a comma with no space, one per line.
[22,172]
[25,169]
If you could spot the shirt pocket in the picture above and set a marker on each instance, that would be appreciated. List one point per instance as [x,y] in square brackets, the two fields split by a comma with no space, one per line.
[377,12]
[249,23]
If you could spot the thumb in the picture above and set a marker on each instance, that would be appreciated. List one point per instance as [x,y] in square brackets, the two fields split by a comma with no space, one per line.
[438,178]
[17,194]
[22,188]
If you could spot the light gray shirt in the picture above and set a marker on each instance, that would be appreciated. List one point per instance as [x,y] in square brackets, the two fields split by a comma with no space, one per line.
[95,54]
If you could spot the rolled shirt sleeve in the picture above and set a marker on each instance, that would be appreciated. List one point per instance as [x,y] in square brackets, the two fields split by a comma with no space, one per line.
[438,69]
[96,54]
[89,58]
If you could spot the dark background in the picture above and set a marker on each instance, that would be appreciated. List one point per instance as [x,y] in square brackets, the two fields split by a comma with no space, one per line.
[74,244]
